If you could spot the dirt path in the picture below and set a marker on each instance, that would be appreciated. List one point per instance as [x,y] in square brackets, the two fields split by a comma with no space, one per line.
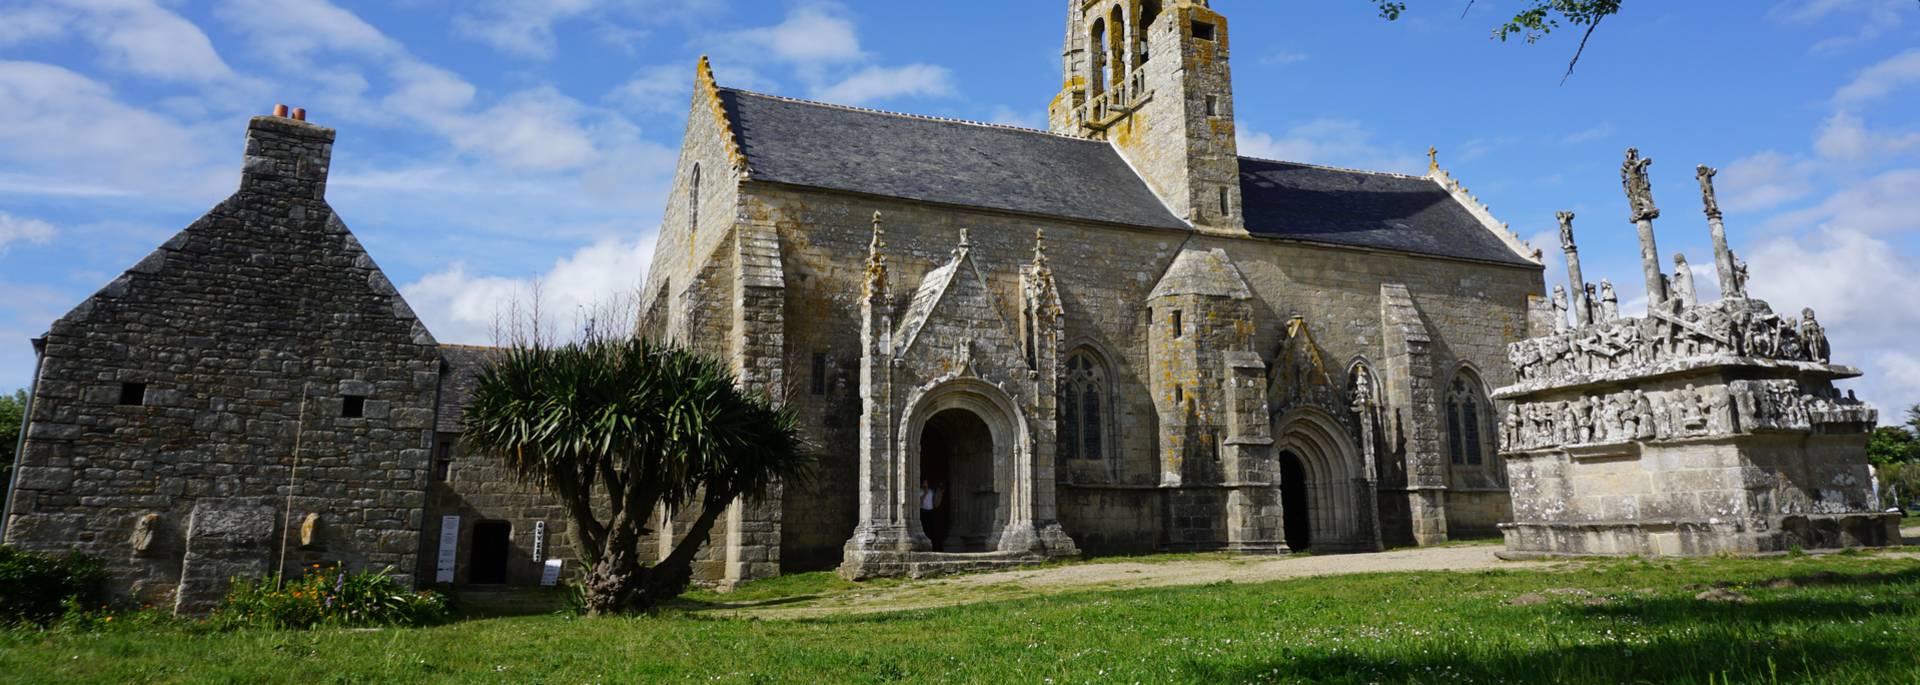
[1116,575]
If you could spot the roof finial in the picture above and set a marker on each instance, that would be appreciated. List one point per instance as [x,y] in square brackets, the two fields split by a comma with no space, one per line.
[1040,248]
[1433,160]
[964,242]
[877,260]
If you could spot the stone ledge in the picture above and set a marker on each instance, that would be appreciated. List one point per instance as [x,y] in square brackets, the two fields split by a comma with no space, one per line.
[1672,369]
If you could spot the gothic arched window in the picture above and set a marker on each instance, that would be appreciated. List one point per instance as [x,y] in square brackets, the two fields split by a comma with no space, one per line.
[1469,414]
[1083,407]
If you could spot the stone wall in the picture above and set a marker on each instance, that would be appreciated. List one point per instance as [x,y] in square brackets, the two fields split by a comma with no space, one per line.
[254,385]
[482,488]
[1104,274]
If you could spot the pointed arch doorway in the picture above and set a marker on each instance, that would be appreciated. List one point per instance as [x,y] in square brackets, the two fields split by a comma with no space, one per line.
[957,495]
[1297,523]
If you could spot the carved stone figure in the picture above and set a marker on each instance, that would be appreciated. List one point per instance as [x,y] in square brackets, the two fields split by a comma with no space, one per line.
[1814,337]
[1609,428]
[1693,410]
[1633,175]
[1560,309]
[1644,428]
[1719,405]
[1609,301]
[145,531]
[1739,273]
[1683,281]
[1583,420]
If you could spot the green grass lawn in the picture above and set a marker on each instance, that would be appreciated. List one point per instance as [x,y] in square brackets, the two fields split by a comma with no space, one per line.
[1842,619]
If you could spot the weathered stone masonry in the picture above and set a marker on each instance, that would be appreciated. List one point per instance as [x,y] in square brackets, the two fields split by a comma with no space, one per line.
[253,395]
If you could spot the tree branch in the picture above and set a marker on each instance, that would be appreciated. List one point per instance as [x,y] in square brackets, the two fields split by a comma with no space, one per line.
[1583,48]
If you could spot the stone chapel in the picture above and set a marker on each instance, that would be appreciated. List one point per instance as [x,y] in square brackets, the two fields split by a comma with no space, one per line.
[1114,336]
[1007,345]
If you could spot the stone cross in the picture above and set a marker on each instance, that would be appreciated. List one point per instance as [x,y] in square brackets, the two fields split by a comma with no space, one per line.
[1582,307]
[1722,255]
[1633,176]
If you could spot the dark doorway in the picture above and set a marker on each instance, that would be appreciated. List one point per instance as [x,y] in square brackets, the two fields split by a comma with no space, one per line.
[956,463]
[1293,502]
[487,559]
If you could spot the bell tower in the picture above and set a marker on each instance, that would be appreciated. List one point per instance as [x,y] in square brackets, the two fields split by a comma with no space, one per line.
[1152,78]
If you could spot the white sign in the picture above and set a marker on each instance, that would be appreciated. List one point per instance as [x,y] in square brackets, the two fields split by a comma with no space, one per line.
[449,548]
[550,575]
[539,540]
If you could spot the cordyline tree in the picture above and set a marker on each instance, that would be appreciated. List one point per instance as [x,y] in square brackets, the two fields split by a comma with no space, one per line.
[620,427]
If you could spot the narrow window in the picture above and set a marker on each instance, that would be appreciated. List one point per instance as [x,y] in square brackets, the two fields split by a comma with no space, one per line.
[819,374]
[1226,203]
[1202,30]
[1179,394]
[446,447]
[1083,419]
[133,394]
[1470,422]
[693,202]
[1177,332]
[1454,452]
[353,407]
[1213,105]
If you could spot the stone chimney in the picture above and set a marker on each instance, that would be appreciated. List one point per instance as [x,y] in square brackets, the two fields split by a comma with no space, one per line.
[287,156]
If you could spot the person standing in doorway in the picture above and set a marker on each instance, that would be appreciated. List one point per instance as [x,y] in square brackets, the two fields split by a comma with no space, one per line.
[933,513]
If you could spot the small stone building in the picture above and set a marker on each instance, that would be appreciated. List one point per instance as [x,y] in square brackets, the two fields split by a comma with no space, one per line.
[1115,336]
[255,396]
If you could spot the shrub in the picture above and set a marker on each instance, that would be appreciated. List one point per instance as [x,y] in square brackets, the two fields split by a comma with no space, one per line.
[330,596]
[39,588]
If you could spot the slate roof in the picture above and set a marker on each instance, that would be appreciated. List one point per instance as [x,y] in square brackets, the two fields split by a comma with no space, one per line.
[1362,209]
[1035,172]
[464,363]
[939,160]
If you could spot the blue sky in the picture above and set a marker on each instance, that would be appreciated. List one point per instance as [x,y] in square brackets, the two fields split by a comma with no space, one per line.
[485,144]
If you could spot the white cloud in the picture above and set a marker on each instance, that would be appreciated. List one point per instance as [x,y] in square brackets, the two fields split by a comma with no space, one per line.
[65,130]
[1881,79]
[1846,138]
[141,37]
[293,33]
[27,24]
[22,229]
[1333,142]
[1886,203]
[817,34]
[1597,133]
[880,83]
[657,89]
[1008,116]
[1877,18]
[1283,58]
[538,129]
[1763,181]
[521,27]
[461,307]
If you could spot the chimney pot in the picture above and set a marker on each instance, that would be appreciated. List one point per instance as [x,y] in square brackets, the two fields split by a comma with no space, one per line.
[299,114]
[279,110]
